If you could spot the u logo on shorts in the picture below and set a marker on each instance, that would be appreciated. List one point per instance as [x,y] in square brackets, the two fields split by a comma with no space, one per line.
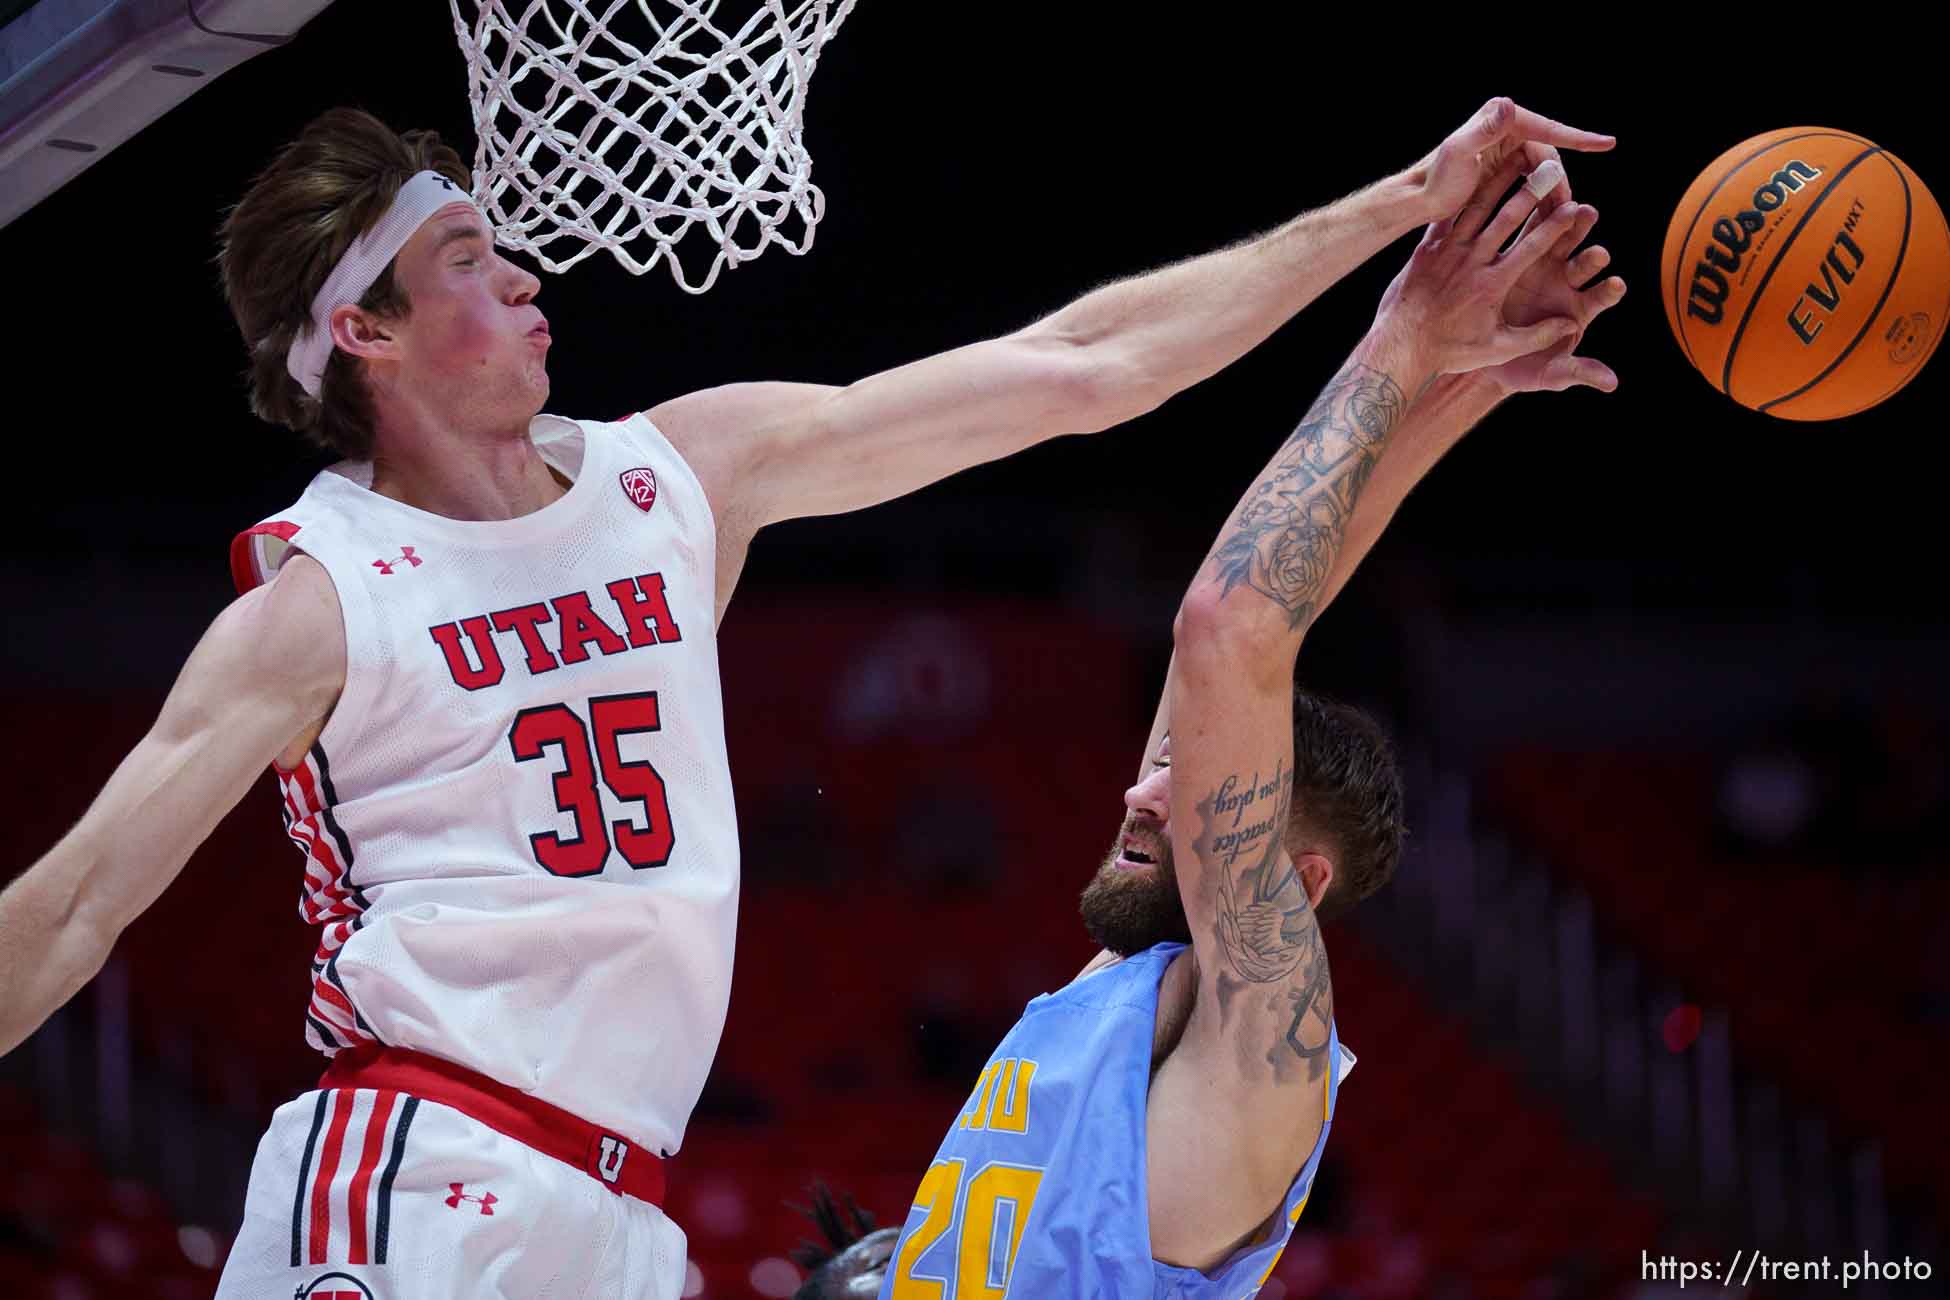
[609,1165]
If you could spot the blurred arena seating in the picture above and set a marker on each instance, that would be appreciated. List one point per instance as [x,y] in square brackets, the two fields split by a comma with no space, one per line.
[1831,973]
[70,1231]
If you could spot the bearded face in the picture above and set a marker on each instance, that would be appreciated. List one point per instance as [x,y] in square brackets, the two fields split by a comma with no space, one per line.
[1132,902]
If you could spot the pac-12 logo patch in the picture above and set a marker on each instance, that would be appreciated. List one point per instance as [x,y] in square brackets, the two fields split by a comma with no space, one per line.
[640,486]
[334,1286]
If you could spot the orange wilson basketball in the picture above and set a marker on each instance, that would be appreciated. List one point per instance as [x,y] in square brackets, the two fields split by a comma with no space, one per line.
[1806,273]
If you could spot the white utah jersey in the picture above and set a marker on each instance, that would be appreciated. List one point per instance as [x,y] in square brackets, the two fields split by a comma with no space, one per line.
[518,830]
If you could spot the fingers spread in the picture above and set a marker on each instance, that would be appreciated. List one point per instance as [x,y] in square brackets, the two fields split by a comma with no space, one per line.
[1580,227]
[1589,304]
[1544,334]
[1568,371]
[1592,260]
[1540,240]
[1470,221]
[1514,212]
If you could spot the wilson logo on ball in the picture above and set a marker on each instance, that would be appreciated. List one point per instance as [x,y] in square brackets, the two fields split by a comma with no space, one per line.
[1804,273]
[1733,236]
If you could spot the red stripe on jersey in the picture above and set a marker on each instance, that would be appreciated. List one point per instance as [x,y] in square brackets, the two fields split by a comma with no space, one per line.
[307,778]
[330,1003]
[318,872]
[340,1037]
[322,988]
[243,552]
[328,907]
[328,1169]
[292,817]
[326,1014]
[291,820]
[303,833]
[382,1110]
[346,1029]
[331,900]
[325,901]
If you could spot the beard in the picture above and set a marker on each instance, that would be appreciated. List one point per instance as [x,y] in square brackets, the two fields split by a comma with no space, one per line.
[1129,911]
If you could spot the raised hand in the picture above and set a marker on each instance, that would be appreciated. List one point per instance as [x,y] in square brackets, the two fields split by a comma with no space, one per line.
[1447,304]
[1479,148]
[1560,284]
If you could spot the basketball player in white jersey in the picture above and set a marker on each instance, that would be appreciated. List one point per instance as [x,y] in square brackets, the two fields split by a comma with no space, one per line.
[480,653]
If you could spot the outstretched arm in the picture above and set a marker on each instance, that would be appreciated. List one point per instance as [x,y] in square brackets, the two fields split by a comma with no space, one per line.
[268,670]
[776,451]
[1234,1109]
[1562,284]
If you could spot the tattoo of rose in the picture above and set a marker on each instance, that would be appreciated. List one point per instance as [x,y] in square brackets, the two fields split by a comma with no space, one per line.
[1374,408]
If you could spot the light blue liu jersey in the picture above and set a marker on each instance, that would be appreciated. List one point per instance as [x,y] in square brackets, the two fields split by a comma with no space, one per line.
[1038,1191]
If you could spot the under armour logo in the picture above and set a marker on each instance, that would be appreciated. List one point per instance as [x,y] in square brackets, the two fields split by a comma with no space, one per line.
[485,1200]
[610,1164]
[405,556]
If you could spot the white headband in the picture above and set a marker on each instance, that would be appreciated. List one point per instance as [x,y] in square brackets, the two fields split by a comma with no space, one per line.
[422,196]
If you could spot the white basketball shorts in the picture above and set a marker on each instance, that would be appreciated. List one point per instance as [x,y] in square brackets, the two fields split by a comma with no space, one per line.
[381,1193]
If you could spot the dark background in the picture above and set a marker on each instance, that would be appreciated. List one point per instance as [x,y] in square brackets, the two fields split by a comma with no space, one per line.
[1653,582]
[980,172]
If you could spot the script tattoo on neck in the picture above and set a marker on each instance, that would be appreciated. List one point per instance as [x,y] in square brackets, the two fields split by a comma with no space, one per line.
[1267,931]
[1290,528]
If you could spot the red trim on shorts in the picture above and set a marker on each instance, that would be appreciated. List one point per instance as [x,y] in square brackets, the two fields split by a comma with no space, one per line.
[382,1111]
[328,1169]
[633,1169]
[243,564]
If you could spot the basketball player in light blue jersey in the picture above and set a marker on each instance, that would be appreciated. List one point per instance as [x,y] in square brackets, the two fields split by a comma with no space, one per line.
[1153,1128]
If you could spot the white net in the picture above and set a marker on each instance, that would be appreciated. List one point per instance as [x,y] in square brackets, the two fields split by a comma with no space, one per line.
[626,124]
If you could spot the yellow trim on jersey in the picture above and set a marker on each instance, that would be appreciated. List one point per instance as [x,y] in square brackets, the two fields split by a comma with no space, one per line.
[1291,1219]
[1326,1116]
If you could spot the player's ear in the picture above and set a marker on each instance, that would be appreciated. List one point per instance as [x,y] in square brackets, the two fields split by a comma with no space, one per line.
[362,334]
[1316,874]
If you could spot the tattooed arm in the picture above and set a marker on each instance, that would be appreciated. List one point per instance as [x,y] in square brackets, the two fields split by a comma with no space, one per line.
[1562,284]
[1237,1105]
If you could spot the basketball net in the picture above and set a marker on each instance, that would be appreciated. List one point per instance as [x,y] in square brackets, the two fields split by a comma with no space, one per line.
[625,124]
